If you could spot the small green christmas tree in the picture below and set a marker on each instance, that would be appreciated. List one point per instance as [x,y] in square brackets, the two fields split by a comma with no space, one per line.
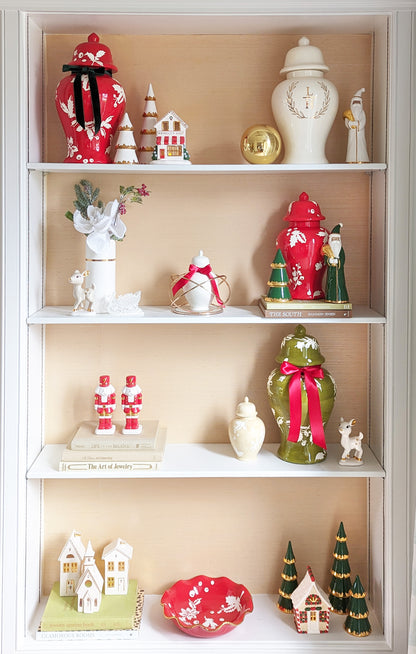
[340,586]
[289,581]
[357,623]
[279,282]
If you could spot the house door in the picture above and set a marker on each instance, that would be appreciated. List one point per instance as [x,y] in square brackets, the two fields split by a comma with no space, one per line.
[121,586]
[313,622]
[70,587]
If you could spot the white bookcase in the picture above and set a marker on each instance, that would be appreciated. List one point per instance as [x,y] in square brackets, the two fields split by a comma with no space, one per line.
[203,511]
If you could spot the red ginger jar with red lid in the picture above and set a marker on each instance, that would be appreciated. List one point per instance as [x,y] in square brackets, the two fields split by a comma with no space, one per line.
[301,245]
[90,103]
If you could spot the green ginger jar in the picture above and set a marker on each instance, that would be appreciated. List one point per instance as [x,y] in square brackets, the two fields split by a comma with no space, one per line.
[301,395]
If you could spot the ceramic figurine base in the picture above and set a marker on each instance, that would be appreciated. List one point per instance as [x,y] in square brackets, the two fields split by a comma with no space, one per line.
[351,462]
[117,612]
[82,313]
[131,432]
[105,432]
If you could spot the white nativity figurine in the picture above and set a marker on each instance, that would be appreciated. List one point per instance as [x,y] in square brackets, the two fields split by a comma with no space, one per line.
[90,585]
[116,557]
[355,120]
[70,560]
[83,297]
[352,454]
[170,145]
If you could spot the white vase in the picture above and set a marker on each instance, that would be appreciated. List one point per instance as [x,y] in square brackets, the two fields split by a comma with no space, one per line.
[101,267]
[304,105]
[246,431]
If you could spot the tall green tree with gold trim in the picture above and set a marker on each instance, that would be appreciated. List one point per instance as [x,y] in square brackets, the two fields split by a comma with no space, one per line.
[289,581]
[340,586]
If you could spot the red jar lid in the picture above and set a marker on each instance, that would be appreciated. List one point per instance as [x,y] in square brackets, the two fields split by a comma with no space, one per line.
[94,54]
[304,209]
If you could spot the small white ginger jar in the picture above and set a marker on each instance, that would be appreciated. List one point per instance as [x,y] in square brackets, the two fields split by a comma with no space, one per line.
[199,289]
[304,105]
[246,431]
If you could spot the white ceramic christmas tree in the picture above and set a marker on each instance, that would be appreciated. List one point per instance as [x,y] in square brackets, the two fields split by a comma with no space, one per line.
[148,131]
[125,145]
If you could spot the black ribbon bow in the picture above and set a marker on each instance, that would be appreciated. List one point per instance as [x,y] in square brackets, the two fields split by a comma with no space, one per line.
[78,71]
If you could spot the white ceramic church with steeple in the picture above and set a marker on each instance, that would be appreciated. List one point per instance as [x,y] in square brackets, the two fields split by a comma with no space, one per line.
[90,585]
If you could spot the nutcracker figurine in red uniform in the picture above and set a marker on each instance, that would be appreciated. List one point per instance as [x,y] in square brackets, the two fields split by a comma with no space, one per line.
[105,403]
[131,401]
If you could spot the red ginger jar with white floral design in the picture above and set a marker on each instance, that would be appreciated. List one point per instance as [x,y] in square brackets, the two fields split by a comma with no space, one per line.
[90,103]
[301,245]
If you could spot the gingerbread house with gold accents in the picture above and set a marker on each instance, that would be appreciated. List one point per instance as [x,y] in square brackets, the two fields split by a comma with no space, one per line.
[311,607]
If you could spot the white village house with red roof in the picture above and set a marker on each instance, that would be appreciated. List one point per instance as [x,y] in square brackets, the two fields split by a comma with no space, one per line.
[170,140]
[311,608]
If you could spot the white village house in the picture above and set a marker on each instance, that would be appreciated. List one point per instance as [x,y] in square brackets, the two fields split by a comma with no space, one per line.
[311,608]
[116,557]
[170,140]
[90,584]
[70,560]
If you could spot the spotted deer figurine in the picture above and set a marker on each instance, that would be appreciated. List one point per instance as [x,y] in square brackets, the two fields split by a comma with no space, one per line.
[83,297]
[352,454]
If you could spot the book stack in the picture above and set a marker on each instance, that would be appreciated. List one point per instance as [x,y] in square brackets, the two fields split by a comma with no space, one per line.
[119,617]
[303,309]
[119,452]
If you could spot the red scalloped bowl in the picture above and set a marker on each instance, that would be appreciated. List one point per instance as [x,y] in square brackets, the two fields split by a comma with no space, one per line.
[206,606]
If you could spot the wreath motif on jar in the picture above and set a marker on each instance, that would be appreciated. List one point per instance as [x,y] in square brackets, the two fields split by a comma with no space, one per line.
[292,105]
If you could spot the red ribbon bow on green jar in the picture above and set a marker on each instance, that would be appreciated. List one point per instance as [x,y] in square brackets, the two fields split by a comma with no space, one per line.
[308,374]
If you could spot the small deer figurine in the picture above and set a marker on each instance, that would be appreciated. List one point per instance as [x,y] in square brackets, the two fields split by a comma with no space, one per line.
[350,443]
[83,298]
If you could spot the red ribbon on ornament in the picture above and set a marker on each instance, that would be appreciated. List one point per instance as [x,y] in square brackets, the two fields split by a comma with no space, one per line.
[308,374]
[206,270]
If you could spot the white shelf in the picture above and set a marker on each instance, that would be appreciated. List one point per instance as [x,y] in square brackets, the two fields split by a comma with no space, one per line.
[212,460]
[174,169]
[60,315]
[266,629]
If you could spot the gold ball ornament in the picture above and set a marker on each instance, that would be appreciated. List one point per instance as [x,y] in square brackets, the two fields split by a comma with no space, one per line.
[261,144]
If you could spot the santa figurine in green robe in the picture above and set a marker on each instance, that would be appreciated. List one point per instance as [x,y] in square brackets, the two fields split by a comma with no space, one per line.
[334,257]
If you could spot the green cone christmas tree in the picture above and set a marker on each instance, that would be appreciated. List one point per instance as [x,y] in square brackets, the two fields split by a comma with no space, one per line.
[289,581]
[340,586]
[279,282]
[357,623]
